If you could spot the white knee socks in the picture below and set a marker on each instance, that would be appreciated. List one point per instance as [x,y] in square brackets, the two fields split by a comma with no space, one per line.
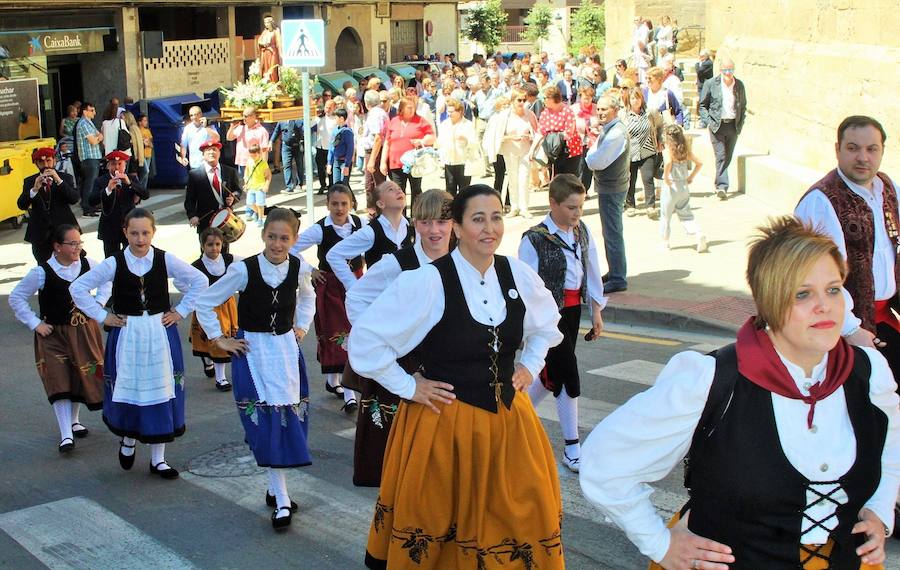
[127,451]
[567,408]
[63,411]
[333,379]
[278,487]
[537,392]
[158,454]
[220,370]
[76,408]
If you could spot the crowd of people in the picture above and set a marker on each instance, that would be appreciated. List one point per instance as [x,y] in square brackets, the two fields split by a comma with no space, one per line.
[443,389]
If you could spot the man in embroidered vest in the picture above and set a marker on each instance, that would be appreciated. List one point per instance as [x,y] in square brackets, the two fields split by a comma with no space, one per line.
[561,250]
[857,206]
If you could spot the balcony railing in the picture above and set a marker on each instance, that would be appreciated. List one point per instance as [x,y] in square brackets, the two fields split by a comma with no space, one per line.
[514,34]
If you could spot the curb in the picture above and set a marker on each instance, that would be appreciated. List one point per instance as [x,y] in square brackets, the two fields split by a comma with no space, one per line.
[675,320]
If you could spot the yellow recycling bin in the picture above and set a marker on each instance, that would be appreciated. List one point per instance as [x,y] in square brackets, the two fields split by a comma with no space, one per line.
[15,166]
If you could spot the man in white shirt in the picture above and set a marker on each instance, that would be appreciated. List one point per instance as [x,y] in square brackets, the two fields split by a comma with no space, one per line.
[723,105]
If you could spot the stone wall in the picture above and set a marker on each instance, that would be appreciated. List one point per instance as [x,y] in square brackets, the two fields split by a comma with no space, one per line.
[189,66]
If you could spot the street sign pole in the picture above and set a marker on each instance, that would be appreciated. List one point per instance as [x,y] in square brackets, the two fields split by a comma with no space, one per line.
[307,155]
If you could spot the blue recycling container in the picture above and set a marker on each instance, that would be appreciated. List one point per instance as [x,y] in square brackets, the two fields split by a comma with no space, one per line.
[167,116]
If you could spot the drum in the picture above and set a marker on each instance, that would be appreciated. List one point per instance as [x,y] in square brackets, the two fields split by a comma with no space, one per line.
[231,225]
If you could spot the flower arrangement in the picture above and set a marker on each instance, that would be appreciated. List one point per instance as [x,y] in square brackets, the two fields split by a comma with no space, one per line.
[255,92]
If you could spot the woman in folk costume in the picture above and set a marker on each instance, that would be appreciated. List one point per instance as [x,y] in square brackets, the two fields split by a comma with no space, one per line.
[275,309]
[389,231]
[144,367]
[791,437]
[213,264]
[68,347]
[469,477]
[377,406]
[332,326]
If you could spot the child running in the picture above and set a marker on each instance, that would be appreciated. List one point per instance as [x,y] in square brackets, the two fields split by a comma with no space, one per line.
[257,178]
[275,310]
[213,263]
[676,196]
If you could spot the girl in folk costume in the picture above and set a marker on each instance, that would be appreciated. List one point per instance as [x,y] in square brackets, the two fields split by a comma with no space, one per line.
[463,433]
[562,251]
[68,348]
[790,403]
[389,231]
[332,326]
[275,309]
[213,264]
[377,406]
[143,398]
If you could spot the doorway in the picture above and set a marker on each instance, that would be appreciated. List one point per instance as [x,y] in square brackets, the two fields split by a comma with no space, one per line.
[64,86]
[348,51]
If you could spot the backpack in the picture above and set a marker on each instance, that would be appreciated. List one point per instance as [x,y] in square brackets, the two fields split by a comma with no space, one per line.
[554,145]
[124,140]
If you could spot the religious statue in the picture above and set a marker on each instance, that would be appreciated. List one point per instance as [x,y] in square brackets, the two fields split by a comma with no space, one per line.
[269,50]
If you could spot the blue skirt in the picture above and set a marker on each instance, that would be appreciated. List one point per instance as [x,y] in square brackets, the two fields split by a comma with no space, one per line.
[157,423]
[277,435]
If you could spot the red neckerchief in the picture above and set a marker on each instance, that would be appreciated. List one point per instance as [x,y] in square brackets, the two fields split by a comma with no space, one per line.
[759,363]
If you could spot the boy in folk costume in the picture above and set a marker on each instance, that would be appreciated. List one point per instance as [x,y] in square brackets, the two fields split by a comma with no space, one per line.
[332,326]
[561,250]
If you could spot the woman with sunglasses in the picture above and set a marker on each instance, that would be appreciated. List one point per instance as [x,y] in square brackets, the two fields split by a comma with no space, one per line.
[510,135]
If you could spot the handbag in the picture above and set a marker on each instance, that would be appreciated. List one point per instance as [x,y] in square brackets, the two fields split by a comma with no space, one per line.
[123,142]
[474,165]
[554,145]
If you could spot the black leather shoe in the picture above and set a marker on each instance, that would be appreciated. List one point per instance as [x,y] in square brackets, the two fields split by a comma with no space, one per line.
[336,390]
[79,430]
[350,407]
[270,500]
[167,473]
[126,461]
[223,386]
[209,368]
[66,445]
[281,523]
[614,288]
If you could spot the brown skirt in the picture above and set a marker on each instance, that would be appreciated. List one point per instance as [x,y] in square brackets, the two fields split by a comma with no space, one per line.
[70,363]
[228,320]
[377,408]
[332,325]
[467,488]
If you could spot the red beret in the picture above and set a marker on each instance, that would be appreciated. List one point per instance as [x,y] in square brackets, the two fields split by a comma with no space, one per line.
[117,155]
[209,144]
[40,153]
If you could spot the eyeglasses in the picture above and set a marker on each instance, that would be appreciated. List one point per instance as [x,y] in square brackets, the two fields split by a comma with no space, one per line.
[521,100]
[78,244]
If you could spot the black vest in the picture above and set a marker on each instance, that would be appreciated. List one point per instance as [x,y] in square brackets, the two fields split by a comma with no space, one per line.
[209,276]
[132,295]
[552,259]
[458,350]
[330,238]
[407,259]
[54,298]
[383,244]
[266,309]
[746,494]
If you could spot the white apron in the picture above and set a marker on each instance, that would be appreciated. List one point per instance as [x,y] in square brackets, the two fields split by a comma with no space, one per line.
[144,374]
[274,368]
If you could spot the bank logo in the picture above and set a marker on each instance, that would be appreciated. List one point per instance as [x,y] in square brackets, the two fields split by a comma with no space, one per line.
[34,45]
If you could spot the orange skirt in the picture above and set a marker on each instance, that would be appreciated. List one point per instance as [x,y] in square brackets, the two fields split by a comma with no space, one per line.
[228,320]
[809,562]
[467,488]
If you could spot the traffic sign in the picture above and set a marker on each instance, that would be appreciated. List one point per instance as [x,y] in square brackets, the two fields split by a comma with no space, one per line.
[304,43]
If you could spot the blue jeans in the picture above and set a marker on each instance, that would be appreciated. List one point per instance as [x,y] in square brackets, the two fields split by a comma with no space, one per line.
[611,206]
[291,156]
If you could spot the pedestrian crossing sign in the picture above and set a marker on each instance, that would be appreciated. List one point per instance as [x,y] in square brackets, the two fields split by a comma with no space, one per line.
[303,43]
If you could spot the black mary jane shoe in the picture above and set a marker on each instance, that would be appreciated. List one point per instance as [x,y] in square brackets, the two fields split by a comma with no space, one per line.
[281,523]
[270,500]
[350,407]
[79,430]
[209,368]
[336,390]
[223,386]
[167,473]
[66,445]
[126,461]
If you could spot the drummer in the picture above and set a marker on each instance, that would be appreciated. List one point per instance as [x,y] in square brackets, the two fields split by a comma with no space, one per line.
[210,187]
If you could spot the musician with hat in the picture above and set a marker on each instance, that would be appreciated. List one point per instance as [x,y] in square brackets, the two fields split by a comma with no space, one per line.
[117,193]
[210,187]
[47,196]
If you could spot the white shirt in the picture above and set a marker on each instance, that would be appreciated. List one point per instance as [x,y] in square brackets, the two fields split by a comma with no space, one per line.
[235,279]
[643,440]
[359,243]
[402,316]
[673,84]
[34,281]
[728,108]
[193,136]
[216,267]
[452,150]
[376,280]
[326,126]
[186,278]
[313,235]
[816,208]
[574,269]
[211,172]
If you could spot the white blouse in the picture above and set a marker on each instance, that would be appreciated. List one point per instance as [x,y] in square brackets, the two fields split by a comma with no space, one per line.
[376,280]
[816,208]
[235,279]
[574,270]
[452,150]
[313,235]
[402,316]
[216,267]
[358,244]
[186,278]
[34,282]
[643,440]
